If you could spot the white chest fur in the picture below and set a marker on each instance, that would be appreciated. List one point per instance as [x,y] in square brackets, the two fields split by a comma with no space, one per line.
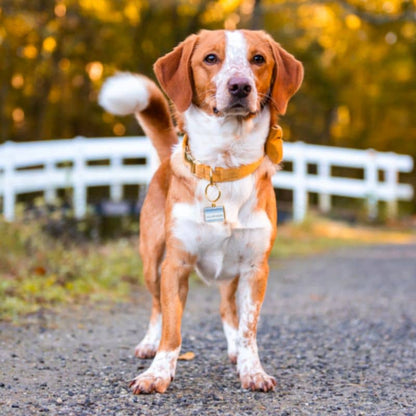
[224,250]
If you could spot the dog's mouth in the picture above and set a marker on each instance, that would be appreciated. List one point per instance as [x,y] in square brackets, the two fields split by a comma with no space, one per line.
[238,106]
[234,109]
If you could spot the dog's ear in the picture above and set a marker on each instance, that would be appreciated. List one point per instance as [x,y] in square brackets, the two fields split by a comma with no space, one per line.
[288,77]
[173,72]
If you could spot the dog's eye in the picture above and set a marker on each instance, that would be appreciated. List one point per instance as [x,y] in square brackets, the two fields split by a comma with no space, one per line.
[258,59]
[211,59]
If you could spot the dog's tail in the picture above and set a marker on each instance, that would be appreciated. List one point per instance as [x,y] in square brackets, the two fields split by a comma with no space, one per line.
[126,93]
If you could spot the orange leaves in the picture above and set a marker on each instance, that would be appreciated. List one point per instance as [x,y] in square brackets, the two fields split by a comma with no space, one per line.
[187,356]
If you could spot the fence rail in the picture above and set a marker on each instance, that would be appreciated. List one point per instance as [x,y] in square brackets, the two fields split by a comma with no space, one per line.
[52,165]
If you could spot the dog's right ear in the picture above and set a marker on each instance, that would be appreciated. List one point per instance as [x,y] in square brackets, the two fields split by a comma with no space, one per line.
[173,71]
[288,77]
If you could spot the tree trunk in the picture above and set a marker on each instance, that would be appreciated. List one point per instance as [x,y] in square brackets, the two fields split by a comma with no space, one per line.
[257,21]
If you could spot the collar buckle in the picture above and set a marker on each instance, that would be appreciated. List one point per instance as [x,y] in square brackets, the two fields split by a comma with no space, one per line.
[190,159]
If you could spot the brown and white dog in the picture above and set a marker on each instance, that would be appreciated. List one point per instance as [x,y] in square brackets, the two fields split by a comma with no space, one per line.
[228,88]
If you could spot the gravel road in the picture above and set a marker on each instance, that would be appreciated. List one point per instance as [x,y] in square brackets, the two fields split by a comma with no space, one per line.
[338,331]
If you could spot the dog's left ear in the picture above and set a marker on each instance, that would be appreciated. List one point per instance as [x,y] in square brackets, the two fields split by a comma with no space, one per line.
[287,78]
[173,71]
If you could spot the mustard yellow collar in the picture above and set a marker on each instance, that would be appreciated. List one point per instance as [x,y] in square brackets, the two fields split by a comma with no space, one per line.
[273,150]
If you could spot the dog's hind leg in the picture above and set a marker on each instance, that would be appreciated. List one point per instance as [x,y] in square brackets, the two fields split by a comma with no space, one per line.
[148,346]
[228,310]
[152,248]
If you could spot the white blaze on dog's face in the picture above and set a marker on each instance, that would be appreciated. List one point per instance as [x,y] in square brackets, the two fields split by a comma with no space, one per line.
[232,72]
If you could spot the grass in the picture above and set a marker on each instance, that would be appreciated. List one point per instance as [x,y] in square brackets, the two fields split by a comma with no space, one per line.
[37,271]
[318,234]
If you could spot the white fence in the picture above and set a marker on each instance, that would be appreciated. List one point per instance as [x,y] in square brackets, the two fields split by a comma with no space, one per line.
[51,165]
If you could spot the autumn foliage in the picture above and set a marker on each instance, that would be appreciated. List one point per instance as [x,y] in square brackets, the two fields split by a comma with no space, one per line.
[359,59]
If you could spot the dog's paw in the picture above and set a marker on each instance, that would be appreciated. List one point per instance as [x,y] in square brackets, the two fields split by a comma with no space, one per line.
[147,383]
[157,377]
[148,346]
[259,381]
[231,334]
[145,350]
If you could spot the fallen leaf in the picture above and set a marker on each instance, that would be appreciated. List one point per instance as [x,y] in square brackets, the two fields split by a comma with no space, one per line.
[187,356]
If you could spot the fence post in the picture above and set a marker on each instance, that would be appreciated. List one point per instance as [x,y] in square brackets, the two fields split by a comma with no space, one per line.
[391,179]
[116,189]
[9,196]
[300,194]
[371,179]
[78,180]
[324,172]
[50,191]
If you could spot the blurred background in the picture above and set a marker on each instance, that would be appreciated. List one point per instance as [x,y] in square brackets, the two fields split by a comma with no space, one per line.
[359,92]
[359,55]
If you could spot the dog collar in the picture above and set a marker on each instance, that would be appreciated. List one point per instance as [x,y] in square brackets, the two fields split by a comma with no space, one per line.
[273,150]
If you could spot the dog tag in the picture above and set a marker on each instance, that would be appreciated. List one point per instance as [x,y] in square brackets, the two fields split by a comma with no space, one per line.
[214,214]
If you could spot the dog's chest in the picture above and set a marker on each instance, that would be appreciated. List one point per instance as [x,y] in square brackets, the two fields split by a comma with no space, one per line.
[224,249]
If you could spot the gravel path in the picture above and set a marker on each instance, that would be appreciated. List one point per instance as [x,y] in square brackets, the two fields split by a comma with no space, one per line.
[338,331]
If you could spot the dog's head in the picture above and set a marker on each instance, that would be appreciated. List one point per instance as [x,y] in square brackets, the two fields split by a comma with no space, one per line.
[229,73]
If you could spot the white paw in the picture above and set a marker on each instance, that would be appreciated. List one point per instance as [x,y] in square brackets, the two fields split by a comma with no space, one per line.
[145,349]
[148,346]
[159,375]
[150,383]
[231,335]
[259,381]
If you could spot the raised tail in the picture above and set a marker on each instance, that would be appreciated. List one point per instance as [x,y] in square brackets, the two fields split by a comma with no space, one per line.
[126,93]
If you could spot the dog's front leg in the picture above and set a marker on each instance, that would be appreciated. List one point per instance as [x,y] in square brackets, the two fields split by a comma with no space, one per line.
[229,317]
[251,290]
[174,288]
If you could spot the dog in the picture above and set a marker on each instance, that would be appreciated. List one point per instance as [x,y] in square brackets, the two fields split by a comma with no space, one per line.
[210,206]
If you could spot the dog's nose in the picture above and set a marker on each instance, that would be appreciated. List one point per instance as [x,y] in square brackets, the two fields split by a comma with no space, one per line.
[239,87]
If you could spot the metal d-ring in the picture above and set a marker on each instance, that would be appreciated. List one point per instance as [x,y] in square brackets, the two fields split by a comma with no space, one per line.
[214,185]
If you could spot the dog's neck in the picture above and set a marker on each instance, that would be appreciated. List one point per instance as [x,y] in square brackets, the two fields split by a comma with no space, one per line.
[226,141]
